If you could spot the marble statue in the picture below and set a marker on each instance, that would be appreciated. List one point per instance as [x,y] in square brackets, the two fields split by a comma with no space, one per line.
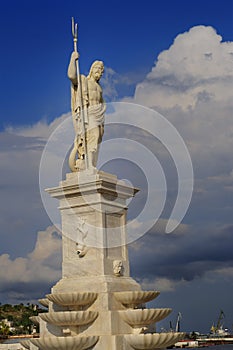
[118,268]
[96,304]
[82,232]
[88,109]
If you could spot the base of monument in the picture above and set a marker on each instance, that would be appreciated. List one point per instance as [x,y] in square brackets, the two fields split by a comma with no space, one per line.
[96,304]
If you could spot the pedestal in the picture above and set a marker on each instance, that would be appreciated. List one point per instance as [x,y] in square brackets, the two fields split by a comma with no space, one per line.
[96,304]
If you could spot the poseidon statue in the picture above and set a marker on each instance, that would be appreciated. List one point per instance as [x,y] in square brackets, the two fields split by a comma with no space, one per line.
[88,107]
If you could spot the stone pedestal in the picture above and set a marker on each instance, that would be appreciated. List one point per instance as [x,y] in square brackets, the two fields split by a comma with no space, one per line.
[93,211]
[97,305]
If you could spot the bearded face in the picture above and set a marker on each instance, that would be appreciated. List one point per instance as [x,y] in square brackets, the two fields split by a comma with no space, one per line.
[97,70]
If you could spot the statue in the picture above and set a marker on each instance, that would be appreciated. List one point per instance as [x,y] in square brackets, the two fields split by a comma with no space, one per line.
[118,268]
[82,231]
[88,109]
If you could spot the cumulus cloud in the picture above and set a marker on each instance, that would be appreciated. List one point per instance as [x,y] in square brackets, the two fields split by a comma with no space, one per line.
[109,82]
[42,266]
[116,85]
[21,209]
[41,130]
[30,260]
[198,67]
[191,85]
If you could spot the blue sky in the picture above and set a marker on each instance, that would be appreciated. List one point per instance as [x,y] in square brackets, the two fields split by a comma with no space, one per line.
[36,42]
[193,268]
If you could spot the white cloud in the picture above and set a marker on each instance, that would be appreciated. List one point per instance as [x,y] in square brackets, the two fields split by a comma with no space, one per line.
[197,67]
[224,273]
[109,82]
[43,264]
[41,129]
[191,84]
[21,208]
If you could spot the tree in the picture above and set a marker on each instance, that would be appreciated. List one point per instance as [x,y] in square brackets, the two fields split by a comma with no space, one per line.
[4,329]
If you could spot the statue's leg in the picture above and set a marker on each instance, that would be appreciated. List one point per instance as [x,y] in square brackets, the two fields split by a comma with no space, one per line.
[92,146]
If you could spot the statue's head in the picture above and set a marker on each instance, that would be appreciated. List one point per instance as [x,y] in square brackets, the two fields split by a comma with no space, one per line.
[96,70]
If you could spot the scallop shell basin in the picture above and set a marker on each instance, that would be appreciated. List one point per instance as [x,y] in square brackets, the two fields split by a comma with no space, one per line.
[152,341]
[138,317]
[67,299]
[135,297]
[25,343]
[68,318]
[65,343]
[44,302]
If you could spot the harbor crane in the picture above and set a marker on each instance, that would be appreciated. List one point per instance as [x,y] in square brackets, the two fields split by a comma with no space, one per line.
[177,328]
[219,327]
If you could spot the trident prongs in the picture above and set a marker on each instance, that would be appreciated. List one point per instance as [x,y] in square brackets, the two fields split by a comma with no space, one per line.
[80,97]
[75,33]
[74,29]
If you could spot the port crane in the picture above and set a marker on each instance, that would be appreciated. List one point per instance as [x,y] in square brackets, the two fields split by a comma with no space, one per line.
[219,327]
[177,328]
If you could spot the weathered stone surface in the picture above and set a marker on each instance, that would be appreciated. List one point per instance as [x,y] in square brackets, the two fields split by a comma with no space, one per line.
[96,303]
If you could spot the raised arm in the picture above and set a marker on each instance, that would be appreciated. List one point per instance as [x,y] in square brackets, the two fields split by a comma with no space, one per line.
[72,70]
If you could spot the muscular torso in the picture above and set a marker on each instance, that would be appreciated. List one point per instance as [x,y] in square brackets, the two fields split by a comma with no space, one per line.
[94,92]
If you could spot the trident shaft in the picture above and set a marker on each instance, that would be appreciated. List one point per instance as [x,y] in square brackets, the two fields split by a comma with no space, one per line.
[80,95]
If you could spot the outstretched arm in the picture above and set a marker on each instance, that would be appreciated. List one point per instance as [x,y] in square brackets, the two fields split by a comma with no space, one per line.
[72,71]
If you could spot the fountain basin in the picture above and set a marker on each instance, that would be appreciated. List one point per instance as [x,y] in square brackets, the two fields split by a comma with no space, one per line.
[152,341]
[25,343]
[65,343]
[143,317]
[44,302]
[35,319]
[75,298]
[134,298]
[69,318]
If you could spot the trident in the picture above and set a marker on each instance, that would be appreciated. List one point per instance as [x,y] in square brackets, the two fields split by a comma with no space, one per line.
[82,115]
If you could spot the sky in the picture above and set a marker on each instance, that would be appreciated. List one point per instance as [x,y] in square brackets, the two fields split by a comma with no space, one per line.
[174,57]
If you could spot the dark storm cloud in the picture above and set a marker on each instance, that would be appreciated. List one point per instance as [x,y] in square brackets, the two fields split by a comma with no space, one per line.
[24,292]
[180,256]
